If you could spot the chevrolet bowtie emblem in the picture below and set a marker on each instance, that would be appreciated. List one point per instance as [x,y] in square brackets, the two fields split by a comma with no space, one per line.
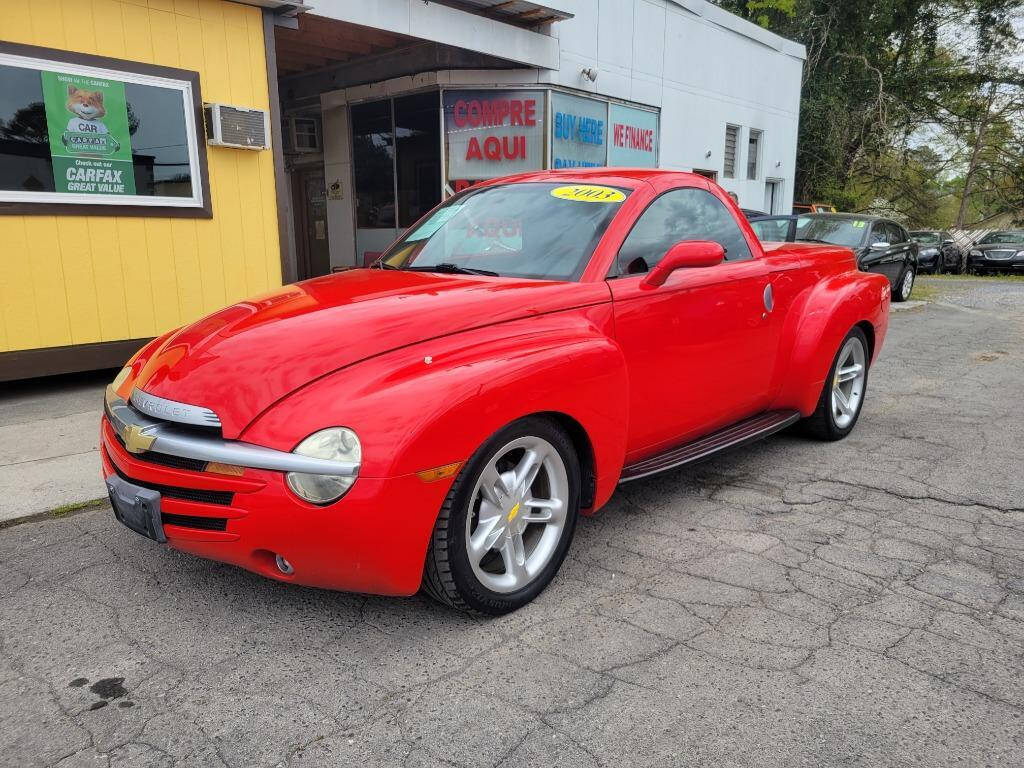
[135,438]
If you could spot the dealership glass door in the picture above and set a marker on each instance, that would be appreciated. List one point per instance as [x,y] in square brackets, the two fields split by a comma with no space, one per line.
[396,154]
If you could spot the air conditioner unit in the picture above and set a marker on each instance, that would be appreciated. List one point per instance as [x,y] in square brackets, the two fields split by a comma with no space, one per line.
[237,127]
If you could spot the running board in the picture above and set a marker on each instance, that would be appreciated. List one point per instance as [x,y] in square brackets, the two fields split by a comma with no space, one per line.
[740,433]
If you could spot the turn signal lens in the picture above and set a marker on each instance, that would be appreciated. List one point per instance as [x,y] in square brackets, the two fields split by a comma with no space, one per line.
[438,473]
[334,444]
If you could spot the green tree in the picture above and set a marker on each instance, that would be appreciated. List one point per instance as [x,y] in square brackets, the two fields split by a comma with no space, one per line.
[884,79]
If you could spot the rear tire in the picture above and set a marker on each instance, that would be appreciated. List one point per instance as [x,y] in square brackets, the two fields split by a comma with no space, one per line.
[904,286]
[842,394]
[507,522]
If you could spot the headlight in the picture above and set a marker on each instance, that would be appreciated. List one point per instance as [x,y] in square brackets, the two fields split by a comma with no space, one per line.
[975,253]
[335,444]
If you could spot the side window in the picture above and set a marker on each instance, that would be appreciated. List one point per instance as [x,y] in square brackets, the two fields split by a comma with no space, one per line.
[770,230]
[897,235]
[682,214]
[880,233]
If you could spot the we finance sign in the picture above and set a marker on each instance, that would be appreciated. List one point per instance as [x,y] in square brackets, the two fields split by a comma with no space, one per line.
[634,137]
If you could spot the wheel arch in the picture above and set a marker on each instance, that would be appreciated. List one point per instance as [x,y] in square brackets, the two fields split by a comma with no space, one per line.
[869,334]
[584,453]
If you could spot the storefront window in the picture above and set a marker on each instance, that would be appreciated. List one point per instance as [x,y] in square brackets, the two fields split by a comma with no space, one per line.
[578,131]
[373,159]
[417,155]
[491,133]
[77,134]
[633,137]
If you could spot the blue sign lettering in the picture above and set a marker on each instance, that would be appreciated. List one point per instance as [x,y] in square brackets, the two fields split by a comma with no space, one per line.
[580,128]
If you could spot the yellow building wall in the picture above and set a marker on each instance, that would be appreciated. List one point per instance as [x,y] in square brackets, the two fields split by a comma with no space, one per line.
[82,279]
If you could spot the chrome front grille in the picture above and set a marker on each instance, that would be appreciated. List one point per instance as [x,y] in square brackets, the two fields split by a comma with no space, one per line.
[999,255]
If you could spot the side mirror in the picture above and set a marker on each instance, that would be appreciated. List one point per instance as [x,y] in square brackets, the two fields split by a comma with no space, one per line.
[879,246]
[688,254]
[947,242]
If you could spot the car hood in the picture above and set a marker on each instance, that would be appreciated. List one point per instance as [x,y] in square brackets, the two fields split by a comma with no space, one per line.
[241,360]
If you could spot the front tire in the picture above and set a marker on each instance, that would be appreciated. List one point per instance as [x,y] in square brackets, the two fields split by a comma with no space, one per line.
[842,395]
[905,286]
[507,521]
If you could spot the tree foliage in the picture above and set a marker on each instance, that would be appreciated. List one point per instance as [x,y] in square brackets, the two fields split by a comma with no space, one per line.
[910,101]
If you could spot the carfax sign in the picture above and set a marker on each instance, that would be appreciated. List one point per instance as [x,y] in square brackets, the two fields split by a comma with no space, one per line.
[90,141]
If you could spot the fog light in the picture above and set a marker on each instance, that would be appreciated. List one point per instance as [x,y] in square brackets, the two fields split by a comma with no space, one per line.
[284,566]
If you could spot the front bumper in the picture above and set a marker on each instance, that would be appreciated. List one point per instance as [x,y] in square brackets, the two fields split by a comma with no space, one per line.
[986,263]
[374,539]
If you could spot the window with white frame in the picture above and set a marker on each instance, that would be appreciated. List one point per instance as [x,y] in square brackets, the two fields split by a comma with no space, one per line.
[753,153]
[732,137]
[76,131]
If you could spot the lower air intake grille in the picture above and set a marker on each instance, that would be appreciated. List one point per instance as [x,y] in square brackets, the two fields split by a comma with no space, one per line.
[194,521]
[223,498]
[166,460]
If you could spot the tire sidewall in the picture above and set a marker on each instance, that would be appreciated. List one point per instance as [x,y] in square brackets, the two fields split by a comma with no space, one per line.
[475,594]
[837,431]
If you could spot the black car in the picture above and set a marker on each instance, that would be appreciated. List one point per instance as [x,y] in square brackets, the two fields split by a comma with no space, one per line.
[938,252]
[998,252]
[881,245]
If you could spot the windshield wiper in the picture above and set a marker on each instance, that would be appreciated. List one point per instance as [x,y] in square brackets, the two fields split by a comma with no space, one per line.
[812,240]
[451,269]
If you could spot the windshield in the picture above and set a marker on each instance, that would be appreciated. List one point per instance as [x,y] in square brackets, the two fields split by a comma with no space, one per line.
[1016,237]
[848,232]
[536,230]
[925,238]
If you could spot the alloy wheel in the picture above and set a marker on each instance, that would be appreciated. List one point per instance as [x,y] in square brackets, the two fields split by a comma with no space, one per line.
[518,514]
[848,382]
[907,285]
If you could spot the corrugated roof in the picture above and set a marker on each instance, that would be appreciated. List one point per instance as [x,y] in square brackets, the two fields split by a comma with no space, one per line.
[521,12]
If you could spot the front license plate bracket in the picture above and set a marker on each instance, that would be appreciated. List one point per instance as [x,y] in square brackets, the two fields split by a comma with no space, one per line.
[136,507]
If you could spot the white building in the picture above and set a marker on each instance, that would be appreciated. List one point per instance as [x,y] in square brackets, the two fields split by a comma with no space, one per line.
[390,105]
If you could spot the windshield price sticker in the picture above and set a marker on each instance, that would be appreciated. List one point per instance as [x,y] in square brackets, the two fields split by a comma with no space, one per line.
[859,224]
[589,193]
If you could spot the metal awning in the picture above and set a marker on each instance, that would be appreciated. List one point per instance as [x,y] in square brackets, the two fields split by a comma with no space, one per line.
[280,7]
[521,12]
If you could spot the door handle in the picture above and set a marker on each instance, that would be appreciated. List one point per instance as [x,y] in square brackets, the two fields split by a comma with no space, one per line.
[769,300]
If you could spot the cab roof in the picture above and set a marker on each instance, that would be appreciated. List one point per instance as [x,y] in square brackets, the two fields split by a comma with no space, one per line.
[630,177]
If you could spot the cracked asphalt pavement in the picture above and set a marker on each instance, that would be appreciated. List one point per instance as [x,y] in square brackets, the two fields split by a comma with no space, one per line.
[791,603]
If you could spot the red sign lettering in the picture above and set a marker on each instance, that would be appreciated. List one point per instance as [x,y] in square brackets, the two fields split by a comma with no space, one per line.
[632,137]
[494,112]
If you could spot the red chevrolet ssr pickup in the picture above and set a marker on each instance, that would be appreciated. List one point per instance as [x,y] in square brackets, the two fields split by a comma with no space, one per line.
[440,419]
